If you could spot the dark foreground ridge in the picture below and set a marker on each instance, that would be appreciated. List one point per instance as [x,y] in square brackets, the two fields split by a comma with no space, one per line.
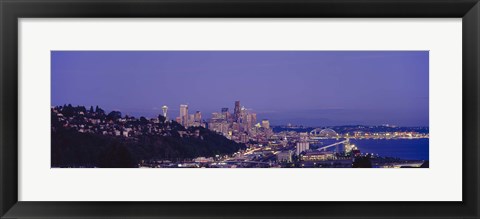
[92,138]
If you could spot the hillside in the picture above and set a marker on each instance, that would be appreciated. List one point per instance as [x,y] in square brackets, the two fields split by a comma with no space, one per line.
[91,138]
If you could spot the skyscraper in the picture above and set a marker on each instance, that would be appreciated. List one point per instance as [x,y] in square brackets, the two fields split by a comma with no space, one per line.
[243,115]
[191,119]
[236,111]
[184,114]
[265,124]
[198,116]
[251,119]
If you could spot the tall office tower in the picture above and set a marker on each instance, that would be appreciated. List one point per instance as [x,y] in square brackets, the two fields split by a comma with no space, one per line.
[236,111]
[191,119]
[165,109]
[198,116]
[184,114]
[225,113]
[249,121]
[243,114]
[243,110]
[265,124]
[254,118]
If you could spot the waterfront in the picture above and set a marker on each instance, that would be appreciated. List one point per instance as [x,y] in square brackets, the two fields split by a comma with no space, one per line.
[232,140]
[407,149]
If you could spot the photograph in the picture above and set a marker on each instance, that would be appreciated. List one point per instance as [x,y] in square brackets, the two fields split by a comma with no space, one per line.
[239,109]
[209,109]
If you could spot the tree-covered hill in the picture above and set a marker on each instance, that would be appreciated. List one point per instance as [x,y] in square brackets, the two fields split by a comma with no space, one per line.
[91,138]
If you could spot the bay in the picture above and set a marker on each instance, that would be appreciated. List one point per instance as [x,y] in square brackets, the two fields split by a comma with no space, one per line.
[408,149]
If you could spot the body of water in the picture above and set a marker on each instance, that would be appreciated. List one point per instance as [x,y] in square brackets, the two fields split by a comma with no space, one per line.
[408,149]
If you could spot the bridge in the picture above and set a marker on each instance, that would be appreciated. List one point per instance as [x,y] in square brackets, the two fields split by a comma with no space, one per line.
[347,147]
[319,133]
[334,144]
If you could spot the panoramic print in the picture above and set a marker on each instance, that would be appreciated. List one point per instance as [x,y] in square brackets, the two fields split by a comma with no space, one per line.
[239,109]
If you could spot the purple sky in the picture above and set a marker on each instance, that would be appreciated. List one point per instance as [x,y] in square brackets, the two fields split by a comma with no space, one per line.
[313,88]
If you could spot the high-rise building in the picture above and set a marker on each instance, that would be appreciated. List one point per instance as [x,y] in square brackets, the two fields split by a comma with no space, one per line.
[236,111]
[191,119]
[165,109]
[249,121]
[265,124]
[198,116]
[254,118]
[184,114]
[243,115]
[225,113]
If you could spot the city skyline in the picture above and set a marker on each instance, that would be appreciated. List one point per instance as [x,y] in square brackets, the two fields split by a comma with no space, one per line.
[284,86]
[228,140]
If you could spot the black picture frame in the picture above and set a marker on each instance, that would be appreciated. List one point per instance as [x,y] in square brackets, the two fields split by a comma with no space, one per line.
[12,10]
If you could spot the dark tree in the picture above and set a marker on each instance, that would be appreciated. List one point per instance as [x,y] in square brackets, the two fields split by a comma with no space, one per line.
[81,109]
[362,162]
[98,110]
[114,115]
[161,118]
[143,120]
[117,156]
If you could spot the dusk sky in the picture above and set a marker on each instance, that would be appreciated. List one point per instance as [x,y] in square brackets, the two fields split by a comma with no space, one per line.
[312,88]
